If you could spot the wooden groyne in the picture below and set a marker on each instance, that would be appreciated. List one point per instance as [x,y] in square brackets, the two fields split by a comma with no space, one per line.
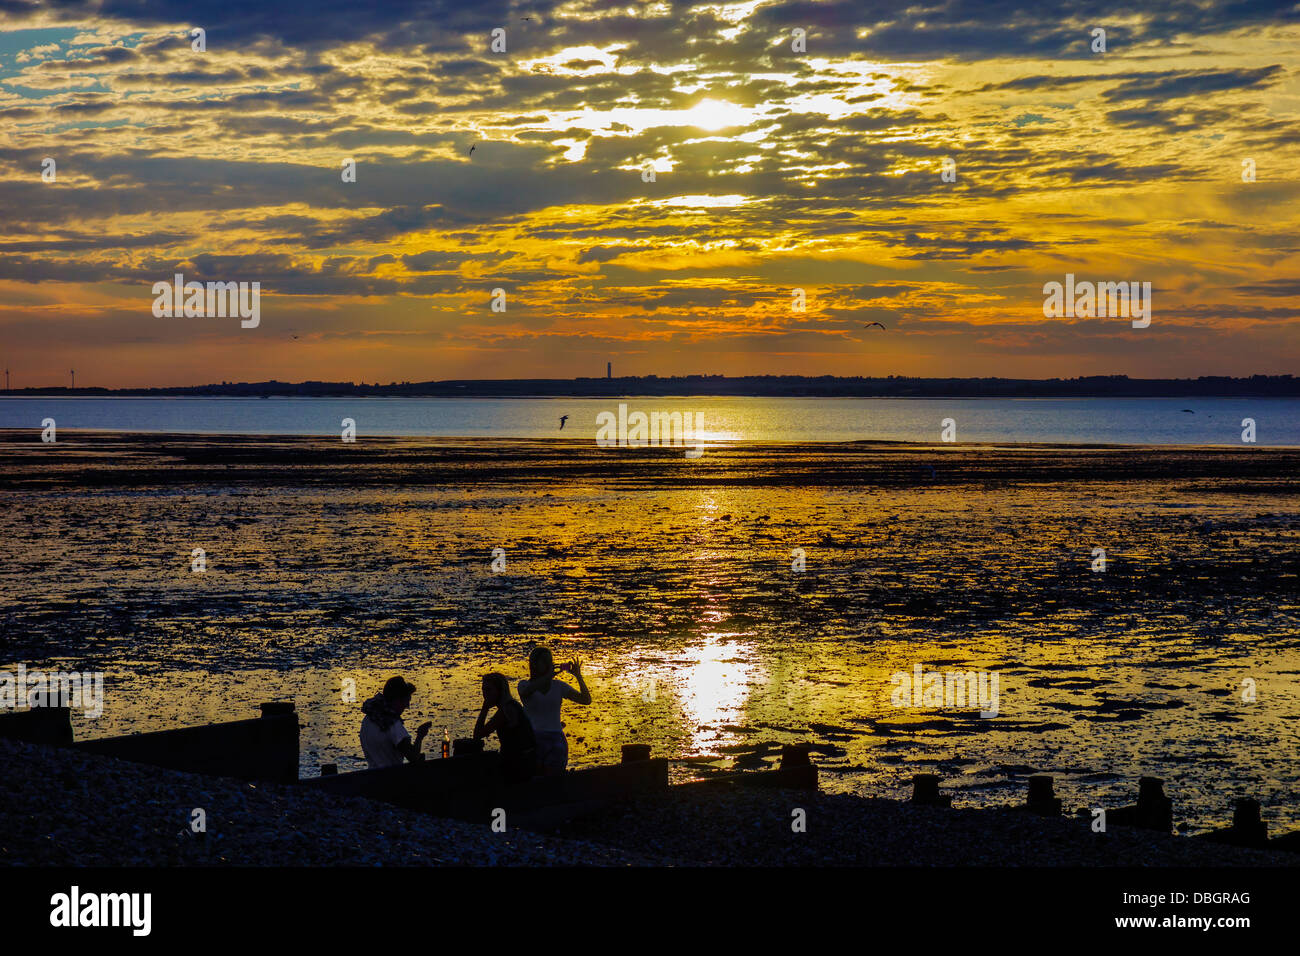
[263,748]
[472,785]
[1153,811]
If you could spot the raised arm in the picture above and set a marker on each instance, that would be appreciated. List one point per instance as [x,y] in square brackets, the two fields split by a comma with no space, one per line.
[581,695]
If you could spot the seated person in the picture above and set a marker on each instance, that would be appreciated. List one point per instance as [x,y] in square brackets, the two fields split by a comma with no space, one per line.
[512,727]
[384,737]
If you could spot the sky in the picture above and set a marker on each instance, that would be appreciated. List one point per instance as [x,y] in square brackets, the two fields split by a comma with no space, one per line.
[649,185]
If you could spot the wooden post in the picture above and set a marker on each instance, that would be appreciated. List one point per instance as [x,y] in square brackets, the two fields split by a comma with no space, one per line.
[797,770]
[1042,798]
[794,755]
[1155,811]
[632,753]
[925,791]
[1247,827]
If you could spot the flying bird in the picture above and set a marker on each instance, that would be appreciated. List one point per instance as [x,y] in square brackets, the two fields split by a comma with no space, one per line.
[870,324]
[471,149]
[563,419]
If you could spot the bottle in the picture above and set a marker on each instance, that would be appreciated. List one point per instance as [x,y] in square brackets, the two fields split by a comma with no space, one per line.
[446,742]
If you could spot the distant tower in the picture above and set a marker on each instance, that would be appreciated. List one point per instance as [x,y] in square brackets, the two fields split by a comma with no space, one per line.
[609,369]
[6,380]
[73,373]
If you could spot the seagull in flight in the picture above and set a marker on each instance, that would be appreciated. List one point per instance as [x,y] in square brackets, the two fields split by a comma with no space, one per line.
[471,149]
[563,419]
[870,324]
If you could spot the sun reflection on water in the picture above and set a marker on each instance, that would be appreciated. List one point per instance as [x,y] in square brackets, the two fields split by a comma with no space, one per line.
[719,673]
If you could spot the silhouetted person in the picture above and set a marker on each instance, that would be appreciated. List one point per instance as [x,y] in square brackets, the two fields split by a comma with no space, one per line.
[384,737]
[512,727]
[542,696]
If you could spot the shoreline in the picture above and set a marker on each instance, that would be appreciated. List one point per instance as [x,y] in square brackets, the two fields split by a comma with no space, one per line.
[96,458]
[31,435]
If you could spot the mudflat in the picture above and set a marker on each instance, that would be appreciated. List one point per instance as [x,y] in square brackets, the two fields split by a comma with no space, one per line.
[329,565]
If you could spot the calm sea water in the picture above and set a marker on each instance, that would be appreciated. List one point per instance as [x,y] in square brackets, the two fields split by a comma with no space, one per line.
[1177,421]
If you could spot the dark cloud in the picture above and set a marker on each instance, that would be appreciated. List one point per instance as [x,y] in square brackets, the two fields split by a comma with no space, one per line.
[1271,287]
[1174,84]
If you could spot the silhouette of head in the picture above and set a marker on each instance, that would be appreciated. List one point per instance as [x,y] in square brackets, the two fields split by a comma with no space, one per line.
[397,694]
[496,689]
[541,665]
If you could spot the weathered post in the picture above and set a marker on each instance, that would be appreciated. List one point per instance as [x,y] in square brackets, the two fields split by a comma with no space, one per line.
[1042,797]
[1155,811]
[797,769]
[925,791]
[1247,827]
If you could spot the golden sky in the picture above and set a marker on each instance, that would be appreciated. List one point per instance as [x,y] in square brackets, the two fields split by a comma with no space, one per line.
[774,169]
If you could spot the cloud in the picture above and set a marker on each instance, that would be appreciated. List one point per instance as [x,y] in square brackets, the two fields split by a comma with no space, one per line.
[820,171]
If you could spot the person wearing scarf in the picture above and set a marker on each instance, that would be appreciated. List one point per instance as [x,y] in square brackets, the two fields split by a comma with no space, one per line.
[384,738]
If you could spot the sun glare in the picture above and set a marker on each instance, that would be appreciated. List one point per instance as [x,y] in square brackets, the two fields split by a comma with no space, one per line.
[714,114]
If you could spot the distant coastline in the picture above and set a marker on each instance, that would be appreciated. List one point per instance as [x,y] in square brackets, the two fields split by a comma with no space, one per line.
[747,386]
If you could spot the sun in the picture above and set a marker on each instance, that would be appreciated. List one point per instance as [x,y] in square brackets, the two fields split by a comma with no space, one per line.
[714,114]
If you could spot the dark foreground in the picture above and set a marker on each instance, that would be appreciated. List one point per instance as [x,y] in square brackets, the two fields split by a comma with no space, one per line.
[64,808]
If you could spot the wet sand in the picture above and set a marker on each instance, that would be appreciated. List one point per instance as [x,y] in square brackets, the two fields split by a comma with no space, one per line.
[672,579]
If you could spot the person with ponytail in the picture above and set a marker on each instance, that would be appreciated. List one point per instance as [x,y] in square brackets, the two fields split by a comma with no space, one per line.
[542,697]
[511,725]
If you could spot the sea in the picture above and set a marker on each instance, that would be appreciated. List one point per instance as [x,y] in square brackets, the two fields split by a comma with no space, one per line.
[1122,421]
